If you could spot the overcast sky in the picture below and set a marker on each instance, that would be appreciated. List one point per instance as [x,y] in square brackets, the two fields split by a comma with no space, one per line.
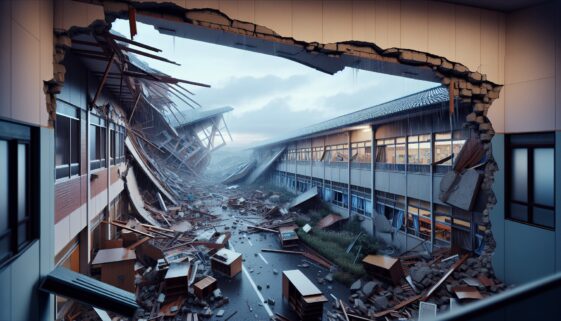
[270,95]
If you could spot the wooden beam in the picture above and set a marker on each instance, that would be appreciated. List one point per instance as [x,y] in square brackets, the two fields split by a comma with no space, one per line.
[103,79]
[134,107]
[128,228]
[145,54]
[134,43]
[444,277]
[344,310]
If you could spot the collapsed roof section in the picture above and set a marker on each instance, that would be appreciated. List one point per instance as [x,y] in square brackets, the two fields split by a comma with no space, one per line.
[169,135]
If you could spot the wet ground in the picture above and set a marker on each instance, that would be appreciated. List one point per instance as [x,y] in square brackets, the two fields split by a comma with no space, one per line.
[258,282]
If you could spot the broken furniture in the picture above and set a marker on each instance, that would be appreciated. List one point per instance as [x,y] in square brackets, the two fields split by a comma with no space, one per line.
[302,295]
[66,283]
[328,221]
[176,281]
[288,236]
[212,239]
[304,198]
[384,267]
[204,287]
[226,262]
[117,267]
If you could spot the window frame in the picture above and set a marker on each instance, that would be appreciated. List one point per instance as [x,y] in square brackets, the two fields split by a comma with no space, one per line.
[16,135]
[73,169]
[530,204]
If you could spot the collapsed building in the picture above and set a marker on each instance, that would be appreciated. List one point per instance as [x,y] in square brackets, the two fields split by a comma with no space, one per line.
[126,147]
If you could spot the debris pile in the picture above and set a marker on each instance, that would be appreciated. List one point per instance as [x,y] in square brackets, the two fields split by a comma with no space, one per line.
[444,282]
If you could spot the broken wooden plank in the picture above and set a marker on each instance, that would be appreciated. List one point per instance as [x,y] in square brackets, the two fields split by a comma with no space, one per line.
[262,228]
[137,243]
[444,277]
[128,228]
[401,305]
[344,310]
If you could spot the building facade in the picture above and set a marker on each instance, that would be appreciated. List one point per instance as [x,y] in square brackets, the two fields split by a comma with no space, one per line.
[386,160]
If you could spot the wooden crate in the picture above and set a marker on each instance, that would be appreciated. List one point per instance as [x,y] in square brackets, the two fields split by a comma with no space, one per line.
[176,281]
[117,267]
[204,287]
[302,295]
[227,262]
[384,267]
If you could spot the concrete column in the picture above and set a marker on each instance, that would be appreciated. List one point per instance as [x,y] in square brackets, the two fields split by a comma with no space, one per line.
[349,151]
[46,142]
[406,210]
[373,173]
[432,218]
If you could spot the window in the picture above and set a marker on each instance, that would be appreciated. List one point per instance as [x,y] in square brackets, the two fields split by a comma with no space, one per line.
[530,196]
[419,149]
[67,141]
[304,154]
[443,222]
[392,207]
[338,153]
[419,218]
[446,144]
[97,142]
[117,140]
[17,222]
[391,151]
[318,154]
[361,152]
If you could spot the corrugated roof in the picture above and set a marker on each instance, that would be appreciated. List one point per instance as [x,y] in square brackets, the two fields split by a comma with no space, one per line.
[408,103]
[190,117]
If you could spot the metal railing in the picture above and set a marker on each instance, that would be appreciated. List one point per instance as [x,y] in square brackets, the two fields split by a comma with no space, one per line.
[537,300]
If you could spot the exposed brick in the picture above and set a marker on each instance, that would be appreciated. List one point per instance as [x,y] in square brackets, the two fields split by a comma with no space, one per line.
[412,57]
[465,92]
[460,68]
[243,25]
[208,16]
[434,61]
[471,117]
[475,76]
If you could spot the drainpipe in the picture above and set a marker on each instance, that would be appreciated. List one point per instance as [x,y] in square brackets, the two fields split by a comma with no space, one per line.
[349,151]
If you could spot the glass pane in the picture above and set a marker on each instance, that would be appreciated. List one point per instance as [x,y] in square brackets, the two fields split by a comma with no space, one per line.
[22,233]
[3,186]
[543,176]
[93,139]
[443,136]
[390,154]
[4,247]
[413,153]
[62,140]
[424,153]
[519,212]
[520,174]
[400,154]
[442,150]
[543,217]
[22,181]
[75,141]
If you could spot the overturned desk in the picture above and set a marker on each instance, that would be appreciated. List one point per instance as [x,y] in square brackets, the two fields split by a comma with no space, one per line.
[302,295]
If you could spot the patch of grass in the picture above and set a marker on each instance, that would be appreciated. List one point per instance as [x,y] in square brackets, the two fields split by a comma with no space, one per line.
[332,244]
